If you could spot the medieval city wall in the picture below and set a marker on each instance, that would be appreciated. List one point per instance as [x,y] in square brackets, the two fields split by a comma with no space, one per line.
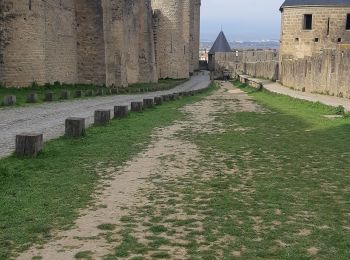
[326,73]
[111,42]
[37,42]
[173,30]
[256,63]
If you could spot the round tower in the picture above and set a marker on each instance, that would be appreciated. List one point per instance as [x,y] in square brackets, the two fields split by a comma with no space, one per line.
[171,35]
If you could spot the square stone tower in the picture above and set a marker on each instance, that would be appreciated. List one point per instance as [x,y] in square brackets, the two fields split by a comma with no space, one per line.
[310,26]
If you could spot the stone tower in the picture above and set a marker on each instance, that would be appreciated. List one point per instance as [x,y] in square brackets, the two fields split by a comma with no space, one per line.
[101,42]
[172,28]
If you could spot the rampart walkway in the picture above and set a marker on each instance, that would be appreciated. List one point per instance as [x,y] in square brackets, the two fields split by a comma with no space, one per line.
[50,118]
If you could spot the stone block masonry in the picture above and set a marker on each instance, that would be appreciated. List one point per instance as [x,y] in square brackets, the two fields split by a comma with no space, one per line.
[101,42]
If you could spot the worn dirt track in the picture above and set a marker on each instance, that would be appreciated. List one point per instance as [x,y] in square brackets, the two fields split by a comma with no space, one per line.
[169,154]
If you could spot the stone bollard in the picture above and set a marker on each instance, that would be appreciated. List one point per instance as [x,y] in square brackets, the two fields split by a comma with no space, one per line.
[165,98]
[121,111]
[75,127]
[65,94]
[29,144]
[136,106]
[32,98]
[9,100]
[148,102]
[78,94]
[48,97]
[102,117]
[158,101]
[171,97]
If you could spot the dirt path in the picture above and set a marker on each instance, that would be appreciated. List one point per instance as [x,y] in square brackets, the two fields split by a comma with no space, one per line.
[169,156]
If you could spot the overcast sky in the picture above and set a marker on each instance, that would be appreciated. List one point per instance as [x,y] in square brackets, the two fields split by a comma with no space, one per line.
[241,19]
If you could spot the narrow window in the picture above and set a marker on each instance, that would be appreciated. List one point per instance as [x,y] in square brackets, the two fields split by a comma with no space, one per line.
[297,39]
[328,26]
[307,21]
[30,4]
[316,39]
[348,22]
[339,40]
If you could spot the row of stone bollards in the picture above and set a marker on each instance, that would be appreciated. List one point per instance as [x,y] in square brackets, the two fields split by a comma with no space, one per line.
[31,144]
[49,96]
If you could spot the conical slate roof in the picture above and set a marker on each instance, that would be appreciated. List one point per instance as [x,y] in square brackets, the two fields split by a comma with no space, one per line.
[288,3]
[220,44]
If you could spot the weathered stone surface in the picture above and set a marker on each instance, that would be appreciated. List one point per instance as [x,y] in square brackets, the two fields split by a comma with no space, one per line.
[121,111]
[75,127]
[148,102]
[137,106]
[32,98]
[165,98]
[102,117]
[29,144]
[116,45]
[64,94]
[48,97]
[158,101]
[9,100]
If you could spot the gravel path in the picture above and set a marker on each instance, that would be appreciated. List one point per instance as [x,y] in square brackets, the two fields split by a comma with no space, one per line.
[49,118]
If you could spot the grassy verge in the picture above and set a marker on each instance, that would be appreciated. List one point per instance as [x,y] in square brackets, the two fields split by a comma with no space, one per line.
[272,185]
[41,194]
[21,93]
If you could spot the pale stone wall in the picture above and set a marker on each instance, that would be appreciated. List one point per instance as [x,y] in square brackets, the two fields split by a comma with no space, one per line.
[111,42]
[326,73]
[91,44]
[298,43]
[35,41]
[256,63]
[196,34]
[172,38]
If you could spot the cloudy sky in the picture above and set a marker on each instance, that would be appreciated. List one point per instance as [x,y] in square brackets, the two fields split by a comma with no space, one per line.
[241,19]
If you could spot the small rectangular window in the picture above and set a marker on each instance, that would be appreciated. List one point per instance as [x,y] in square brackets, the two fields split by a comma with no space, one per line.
[316,39]
[348,22]
[30,5]
[307,21]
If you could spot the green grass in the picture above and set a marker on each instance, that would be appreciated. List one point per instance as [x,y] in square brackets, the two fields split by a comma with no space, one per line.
[162,84]
[106,226]
[84,255]
[45,193]
[277,189]
[21,93]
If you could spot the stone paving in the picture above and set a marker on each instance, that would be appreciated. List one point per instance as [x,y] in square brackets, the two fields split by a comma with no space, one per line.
[49,118]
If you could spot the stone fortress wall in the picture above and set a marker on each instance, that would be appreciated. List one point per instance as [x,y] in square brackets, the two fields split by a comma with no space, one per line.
[316,60]
[111,42]
[256,63]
